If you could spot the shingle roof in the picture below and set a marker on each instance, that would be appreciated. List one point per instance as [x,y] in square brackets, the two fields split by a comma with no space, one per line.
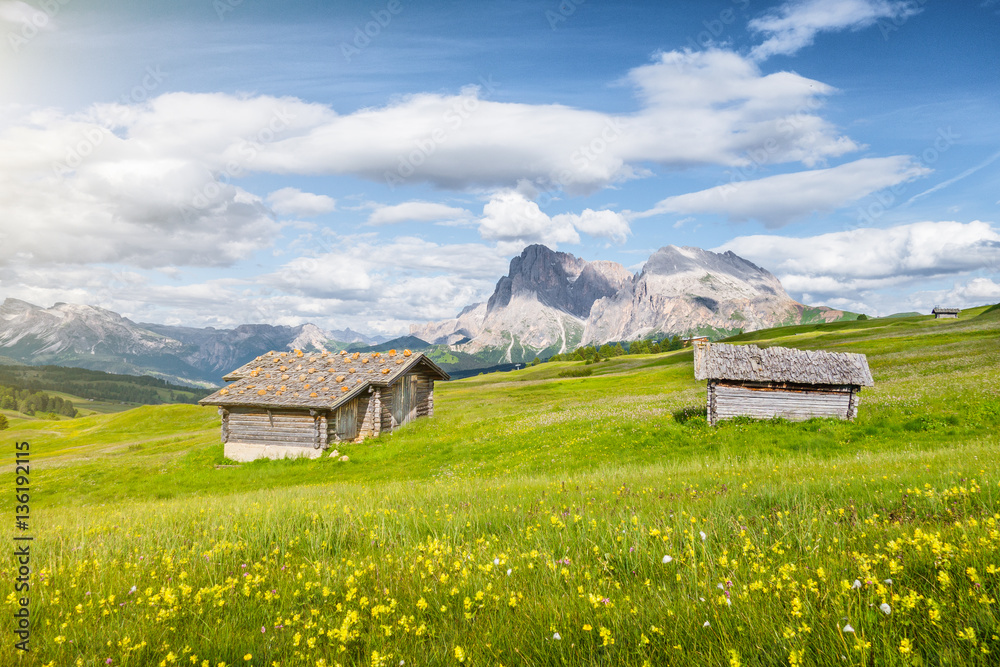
[945,311]
[719,361]
[322,380]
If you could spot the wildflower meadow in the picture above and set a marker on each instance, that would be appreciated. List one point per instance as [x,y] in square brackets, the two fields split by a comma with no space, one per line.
[539,519]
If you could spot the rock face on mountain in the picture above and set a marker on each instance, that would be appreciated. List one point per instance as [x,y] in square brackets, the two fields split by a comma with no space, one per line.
[26,329]
[539,306]
[99,339]
[694,291]
[551,302]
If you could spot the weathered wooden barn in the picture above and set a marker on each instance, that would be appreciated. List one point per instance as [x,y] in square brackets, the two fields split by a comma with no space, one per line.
[945,313]
[780,382]
[285,404]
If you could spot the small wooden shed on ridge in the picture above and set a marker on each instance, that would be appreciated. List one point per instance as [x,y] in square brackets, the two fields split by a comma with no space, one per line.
[940,313]
[295,404]
[780,382]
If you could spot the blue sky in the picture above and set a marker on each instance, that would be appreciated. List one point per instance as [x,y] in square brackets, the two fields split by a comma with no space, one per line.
[376,164]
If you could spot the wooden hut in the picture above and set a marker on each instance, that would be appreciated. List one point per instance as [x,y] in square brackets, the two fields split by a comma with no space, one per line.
[940,313]
[780,382]
[295,404]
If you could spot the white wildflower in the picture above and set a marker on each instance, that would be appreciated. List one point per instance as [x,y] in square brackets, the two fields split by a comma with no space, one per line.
[667,559]
[885,607]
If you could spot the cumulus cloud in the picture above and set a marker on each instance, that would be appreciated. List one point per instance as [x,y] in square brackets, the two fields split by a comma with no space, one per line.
[845,264]
[693,108]
[515,221]
[795,24]
[778,200]
[292,201]
[416,211]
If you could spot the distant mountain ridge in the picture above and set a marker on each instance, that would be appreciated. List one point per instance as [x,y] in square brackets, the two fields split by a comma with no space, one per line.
[99,339]
[551,302]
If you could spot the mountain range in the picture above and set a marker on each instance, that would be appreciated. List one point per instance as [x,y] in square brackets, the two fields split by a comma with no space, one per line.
[549,302]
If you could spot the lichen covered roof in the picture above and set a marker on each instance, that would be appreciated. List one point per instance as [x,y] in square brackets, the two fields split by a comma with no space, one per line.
[749,363]
[321,380]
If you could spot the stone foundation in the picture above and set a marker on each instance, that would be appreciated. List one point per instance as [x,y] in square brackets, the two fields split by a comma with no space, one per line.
[244,452]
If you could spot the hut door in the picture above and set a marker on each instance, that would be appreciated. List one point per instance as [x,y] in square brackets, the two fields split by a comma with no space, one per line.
[404,404]
[347,421]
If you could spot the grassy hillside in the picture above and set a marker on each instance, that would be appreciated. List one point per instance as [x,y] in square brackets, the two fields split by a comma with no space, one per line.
[529,522]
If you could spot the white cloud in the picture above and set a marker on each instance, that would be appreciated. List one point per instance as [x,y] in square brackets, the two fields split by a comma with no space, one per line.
[609,224]
[977,291]
[778,200]
[511,218]
[795,24]
[292,201]
[845,264]
[416,211]
[694,108]
[515,221]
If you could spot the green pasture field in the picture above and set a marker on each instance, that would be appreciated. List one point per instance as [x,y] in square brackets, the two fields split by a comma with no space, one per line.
[539,519]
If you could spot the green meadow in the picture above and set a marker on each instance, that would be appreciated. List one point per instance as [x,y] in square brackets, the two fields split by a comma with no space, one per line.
[540,518]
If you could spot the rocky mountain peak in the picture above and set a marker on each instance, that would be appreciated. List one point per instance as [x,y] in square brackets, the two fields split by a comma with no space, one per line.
[558,280]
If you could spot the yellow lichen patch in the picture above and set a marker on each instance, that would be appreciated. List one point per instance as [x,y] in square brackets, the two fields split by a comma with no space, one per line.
[302,378]
[364,361]
[356,355]
[359,381]
[399,361]
[254,373]
[282,388]
[282,368]
[313,394]
[406,353]
[392,353]
[240,391]
[223,392]
[262,392]
[352,370]
[343,353]
[340,378]
[270,387]
[306,386]
[344,388]
[311,370]
[386,371]
[298,353]
[282,354]
[285,376]
[320,378]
